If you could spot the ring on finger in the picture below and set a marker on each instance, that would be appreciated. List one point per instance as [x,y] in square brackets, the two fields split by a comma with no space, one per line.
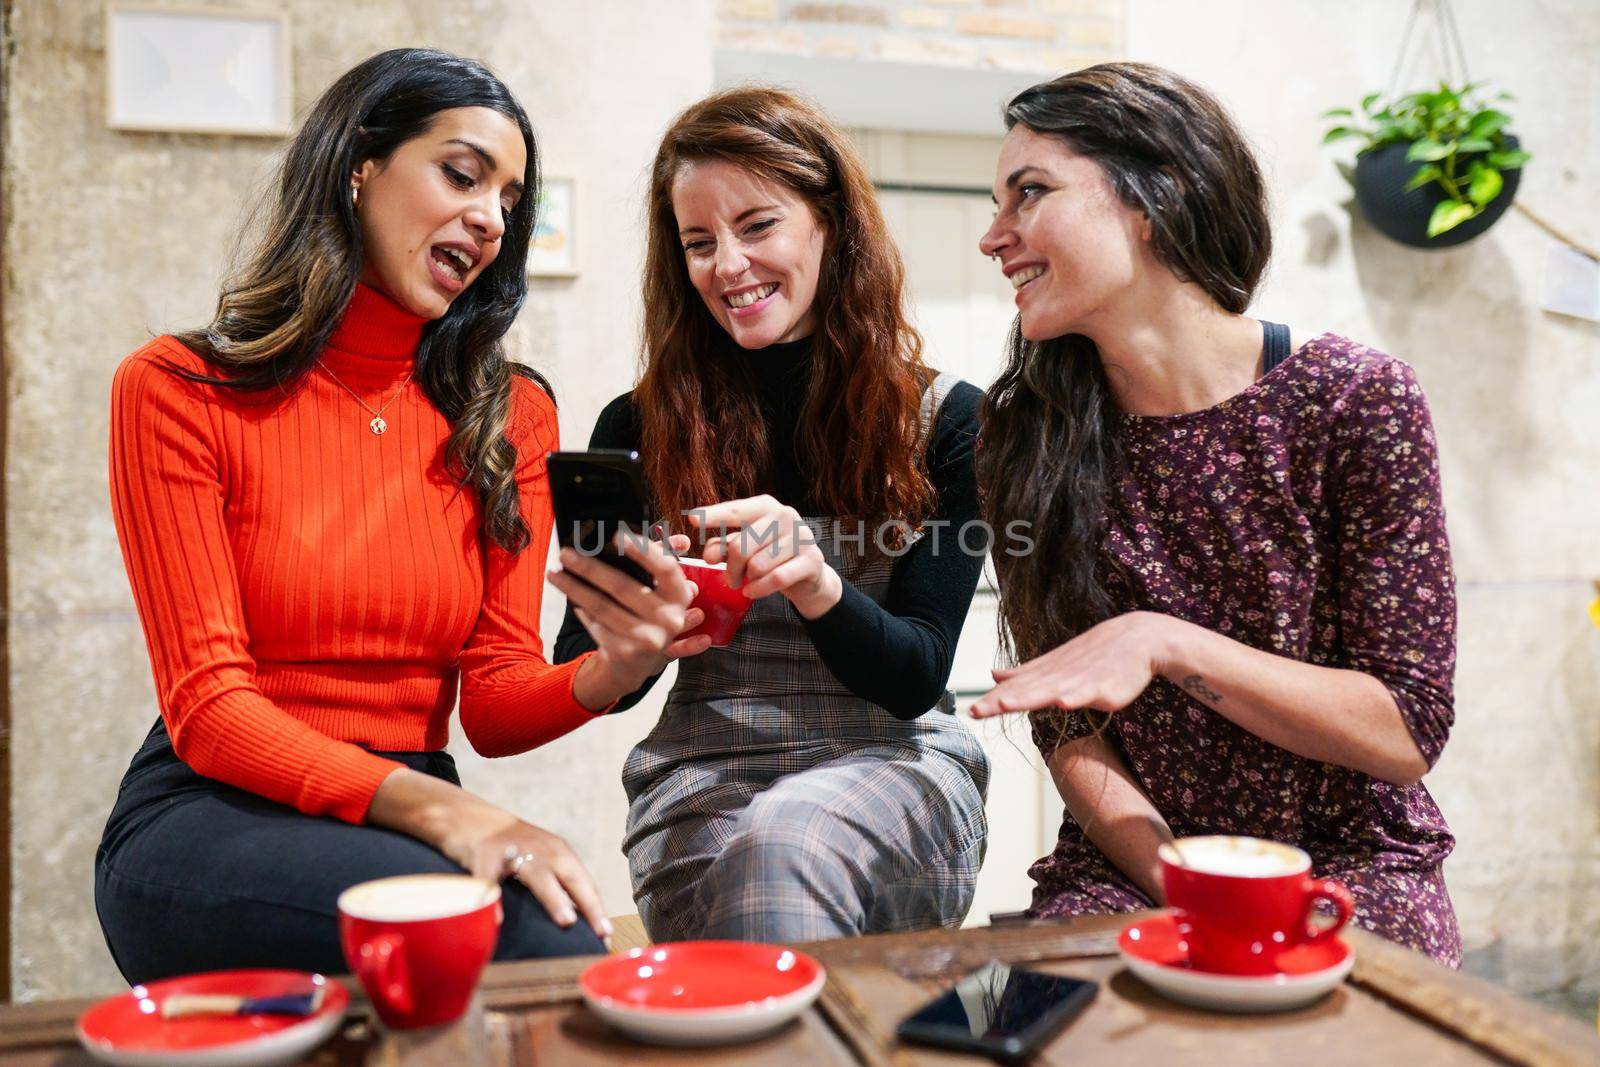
[516,858]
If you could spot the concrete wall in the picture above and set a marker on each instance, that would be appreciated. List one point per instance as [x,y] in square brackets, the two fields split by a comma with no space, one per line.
[112,236]
[1514,390]
[1515,394]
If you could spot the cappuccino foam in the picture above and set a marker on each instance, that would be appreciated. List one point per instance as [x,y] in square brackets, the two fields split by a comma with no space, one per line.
[1236,857]
[416,898]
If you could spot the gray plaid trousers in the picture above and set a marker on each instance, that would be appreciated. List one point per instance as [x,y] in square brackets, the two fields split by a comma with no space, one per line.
[772,804]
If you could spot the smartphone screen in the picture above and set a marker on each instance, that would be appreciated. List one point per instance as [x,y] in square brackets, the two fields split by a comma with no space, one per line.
[1005,1011]
[594,495]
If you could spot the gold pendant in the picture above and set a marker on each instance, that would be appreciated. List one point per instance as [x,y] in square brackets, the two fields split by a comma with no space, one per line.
[377,425]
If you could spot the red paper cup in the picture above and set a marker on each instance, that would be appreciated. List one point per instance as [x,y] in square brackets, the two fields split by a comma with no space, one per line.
[418,943]
[724,606]
[1243,901]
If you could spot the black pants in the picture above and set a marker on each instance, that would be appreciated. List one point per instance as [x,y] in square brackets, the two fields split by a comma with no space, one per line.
[195,875]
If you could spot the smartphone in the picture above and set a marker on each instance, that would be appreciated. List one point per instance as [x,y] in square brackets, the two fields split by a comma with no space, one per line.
[1002,1011]
[595,494]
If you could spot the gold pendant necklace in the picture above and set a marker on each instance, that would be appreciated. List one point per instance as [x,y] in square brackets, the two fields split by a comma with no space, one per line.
[378,426]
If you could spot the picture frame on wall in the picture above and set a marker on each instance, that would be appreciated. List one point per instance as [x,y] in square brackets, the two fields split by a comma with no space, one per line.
[553,252]
[184,69]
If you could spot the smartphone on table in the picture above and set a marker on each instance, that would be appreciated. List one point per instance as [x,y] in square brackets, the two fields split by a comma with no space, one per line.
[595,494]
[1002,1011]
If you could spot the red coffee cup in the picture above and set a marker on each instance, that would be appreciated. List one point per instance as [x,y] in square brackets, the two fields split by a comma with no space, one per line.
[1242,901]
[418,943]
[724,606]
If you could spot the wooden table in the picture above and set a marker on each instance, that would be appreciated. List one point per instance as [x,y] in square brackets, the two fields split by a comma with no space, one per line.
[1397,1007]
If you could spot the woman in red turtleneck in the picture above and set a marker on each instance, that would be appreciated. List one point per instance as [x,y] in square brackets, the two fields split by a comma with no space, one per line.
[332,508]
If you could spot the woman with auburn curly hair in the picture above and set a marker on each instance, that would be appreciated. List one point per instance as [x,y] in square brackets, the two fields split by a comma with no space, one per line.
[810,780]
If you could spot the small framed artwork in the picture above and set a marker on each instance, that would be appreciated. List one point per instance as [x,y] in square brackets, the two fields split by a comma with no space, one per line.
[553,253]
[183,69]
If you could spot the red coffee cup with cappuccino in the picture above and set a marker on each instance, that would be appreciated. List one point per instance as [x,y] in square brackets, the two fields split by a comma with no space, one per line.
[1243,901]
[418,943]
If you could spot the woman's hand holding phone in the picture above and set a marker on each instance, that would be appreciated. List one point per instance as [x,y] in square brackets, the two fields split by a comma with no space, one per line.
[769,550]
[635,627]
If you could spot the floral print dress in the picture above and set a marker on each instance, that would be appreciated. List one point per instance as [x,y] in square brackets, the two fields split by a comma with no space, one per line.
[1302,516]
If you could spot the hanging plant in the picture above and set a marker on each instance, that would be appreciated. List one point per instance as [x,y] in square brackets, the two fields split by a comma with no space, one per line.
[1434,169]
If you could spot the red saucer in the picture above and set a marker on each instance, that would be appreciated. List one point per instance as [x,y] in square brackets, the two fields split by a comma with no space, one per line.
[129,1029]
[1159,940]
[702,992]
[1155,950]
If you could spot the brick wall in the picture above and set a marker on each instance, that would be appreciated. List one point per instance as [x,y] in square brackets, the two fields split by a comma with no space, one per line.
[1023,35]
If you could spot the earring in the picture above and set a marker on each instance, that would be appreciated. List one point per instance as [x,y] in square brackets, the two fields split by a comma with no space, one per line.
[355,195]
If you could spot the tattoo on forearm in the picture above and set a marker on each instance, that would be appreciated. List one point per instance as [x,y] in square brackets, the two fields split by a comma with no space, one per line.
[1197,685]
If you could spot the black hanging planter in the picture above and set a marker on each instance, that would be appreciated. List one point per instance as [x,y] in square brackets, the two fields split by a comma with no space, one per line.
[1381,175]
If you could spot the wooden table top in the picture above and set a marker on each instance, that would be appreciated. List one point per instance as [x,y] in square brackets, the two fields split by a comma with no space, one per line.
[1396,1007]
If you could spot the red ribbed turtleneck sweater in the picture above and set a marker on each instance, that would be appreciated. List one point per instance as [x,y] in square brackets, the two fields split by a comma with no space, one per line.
[310,590]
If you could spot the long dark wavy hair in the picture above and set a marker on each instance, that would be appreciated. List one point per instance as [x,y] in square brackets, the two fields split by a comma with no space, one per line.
[1048,453]
[701,426]
[276,313]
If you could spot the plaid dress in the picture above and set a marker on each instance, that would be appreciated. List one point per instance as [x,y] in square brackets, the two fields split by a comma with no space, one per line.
[770,803]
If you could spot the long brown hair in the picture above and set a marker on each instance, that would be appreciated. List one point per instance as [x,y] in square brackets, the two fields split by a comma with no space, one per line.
[1048,451]
[277,313]
[701,426]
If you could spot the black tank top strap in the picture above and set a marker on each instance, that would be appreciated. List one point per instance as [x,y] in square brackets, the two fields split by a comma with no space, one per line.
[1274,345]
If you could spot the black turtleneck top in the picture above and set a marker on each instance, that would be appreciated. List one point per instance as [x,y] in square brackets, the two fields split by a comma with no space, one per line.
[897,655]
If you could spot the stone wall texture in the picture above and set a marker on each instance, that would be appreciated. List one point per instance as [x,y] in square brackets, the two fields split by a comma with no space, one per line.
[110,237]
[1515,395]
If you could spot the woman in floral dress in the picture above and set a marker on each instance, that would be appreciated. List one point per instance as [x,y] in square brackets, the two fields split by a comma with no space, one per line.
[1238,616]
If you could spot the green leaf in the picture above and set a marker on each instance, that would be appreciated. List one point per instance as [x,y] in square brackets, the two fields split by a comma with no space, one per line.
[1475,144]
[1509,160]
[1339,132]
[1444,100]
[1338,113]
[1368,100]
[1487,123]
[1423,176]
[1426,151]
[1486,185]
[1449,214]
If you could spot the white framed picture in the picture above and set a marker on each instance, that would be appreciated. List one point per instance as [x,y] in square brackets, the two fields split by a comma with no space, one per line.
[197,69]
[553,252]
